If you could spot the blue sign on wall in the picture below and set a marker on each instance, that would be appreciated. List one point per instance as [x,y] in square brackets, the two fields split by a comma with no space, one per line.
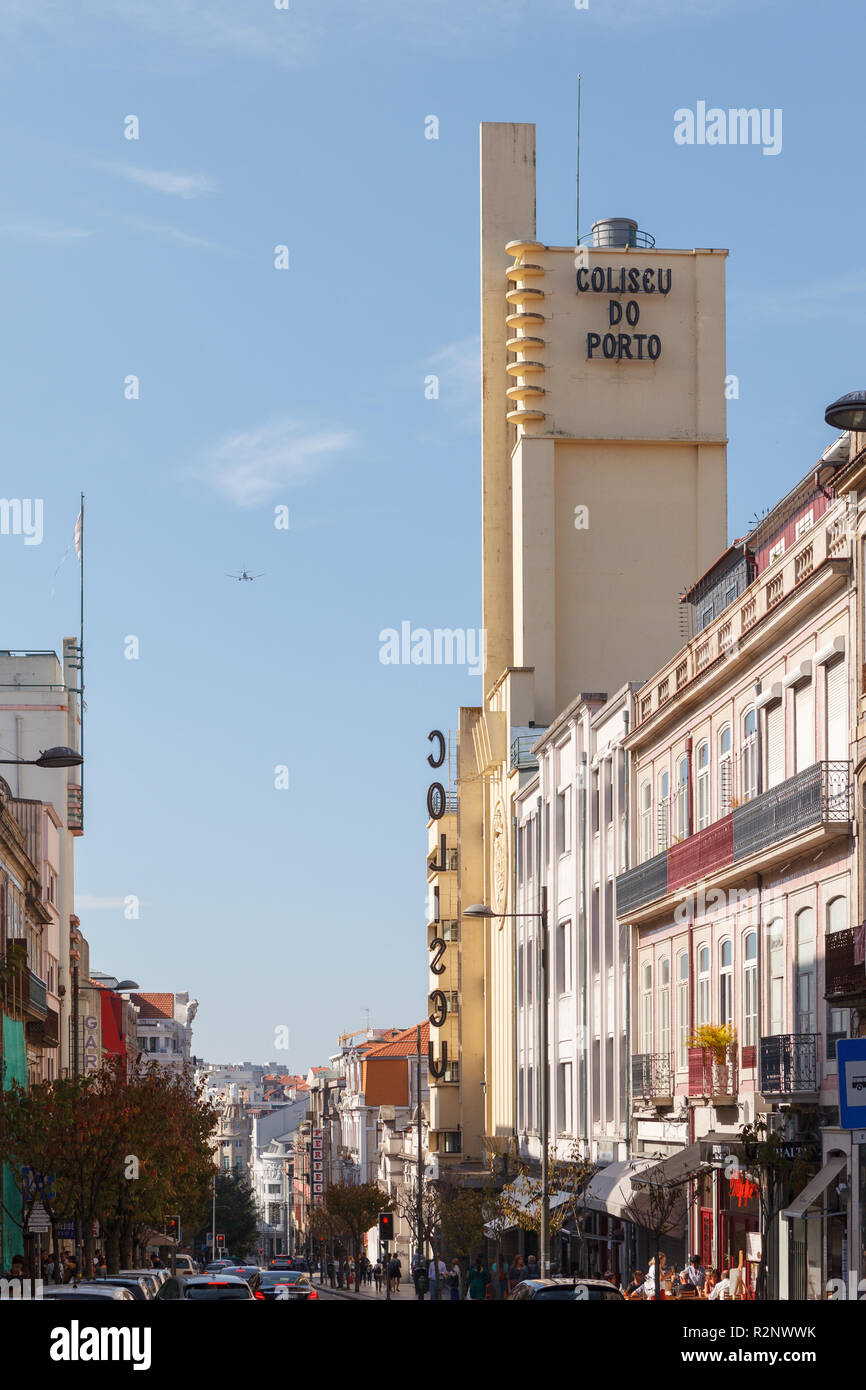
[851,1055]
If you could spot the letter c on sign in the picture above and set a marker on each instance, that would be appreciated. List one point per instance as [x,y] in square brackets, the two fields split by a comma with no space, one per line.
[440,757]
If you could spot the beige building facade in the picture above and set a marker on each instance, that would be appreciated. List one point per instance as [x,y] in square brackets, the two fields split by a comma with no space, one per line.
[604,485]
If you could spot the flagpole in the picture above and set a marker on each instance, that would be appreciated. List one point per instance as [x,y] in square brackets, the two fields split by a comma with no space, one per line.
[81,655]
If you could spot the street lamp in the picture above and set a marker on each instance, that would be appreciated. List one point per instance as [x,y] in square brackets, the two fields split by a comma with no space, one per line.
[50,758]
[482,910]
[848,413]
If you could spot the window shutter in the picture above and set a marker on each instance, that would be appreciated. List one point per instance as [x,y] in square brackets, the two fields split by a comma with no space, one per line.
[775,728]
[804,726]
[837,712]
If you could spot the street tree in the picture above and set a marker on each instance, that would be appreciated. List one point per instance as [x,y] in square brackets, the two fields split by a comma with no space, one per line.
[356,1207]
[462,1224]
[659,1207]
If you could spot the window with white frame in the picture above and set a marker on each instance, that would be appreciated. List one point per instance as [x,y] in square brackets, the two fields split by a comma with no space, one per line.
[564,1091]
[724,771]
[682,798]
[664,811]
[804,524]
[726,983]
[805,969]
[836,711]
[776,976]
[703,1013]
[682,1008]
[804,726]
[749,756]
[778,549]
[646,821]
[646,1007]
[564,971]
[664,1007]
[750,989]
[702,799]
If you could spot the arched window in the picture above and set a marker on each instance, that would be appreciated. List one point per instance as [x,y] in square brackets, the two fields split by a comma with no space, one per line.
[646,1007]
[702,798]
[703,985]
[682,798]
[646,821]
[682,1009]
[665,1008]
[724,780]
[776,975]
[804,977]
[750,989]
[750,756]
[726,982]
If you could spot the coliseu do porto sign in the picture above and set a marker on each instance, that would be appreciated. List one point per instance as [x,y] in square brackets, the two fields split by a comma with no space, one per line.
[624,314]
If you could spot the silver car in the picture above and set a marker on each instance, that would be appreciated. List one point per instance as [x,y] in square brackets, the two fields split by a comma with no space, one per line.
[93,1293]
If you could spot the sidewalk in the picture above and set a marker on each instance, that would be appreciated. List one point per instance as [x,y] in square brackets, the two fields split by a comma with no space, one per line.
[368,1293]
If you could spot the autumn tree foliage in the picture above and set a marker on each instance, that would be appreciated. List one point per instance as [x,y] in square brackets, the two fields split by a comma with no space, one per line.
[124,1146]
[355,1208]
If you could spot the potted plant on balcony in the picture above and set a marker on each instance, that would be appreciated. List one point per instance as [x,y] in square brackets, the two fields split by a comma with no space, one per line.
[716,1042]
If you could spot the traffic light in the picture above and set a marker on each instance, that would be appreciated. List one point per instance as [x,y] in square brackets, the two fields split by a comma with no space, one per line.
[172,1227]
[386,1225]
[221,1240]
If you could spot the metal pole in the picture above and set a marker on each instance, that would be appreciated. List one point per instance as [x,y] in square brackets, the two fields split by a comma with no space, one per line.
[213,1253]
[77,1232]
[544,1242]
[419,1199]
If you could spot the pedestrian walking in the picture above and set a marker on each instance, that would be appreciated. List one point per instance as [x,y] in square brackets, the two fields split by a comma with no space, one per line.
[436,1274]
[395,1274]
[516,1274]
[453,1281]
[479,1278]
[377,1275]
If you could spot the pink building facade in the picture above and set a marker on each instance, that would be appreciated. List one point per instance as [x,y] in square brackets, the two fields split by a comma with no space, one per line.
[744,864]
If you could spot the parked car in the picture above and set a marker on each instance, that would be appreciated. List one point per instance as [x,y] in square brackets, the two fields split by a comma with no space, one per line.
[89,1292]
[153,1278]
[185,1264]
[206,1288]
[292,1284]
[576,1290]
[251,1273]
[139,1286]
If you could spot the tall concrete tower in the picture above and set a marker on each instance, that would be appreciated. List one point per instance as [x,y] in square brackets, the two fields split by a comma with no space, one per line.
[603,437]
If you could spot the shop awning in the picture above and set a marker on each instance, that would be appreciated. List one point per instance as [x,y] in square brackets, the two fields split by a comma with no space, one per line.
[611,1188]
[522,1194]
[674,1170]
[816,1188]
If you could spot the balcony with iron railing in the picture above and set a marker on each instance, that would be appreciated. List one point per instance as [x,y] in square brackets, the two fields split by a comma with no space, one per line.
[844,969]
[818,798]
[789,1064]
[652,1076]
[45,1032]
[522,757]
[711,1076]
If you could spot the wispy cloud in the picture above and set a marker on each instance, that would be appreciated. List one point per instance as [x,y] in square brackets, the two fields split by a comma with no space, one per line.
[458,367]
[162,180]
[249,467]
[95,904]
[23,230]
[164,232]
[836,299]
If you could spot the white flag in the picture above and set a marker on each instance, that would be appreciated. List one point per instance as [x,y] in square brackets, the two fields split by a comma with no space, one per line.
[77,533]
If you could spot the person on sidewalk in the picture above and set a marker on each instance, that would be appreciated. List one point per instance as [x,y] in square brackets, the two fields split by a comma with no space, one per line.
[436,1274]
[453,1281]
[377,1275]
[479,1278]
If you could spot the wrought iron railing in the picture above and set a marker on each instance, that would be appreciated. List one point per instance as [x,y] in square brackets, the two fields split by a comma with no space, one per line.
[651,1075]
[841,974]
[522,755]
[642,884]
[710,1075]
[789,1063]
[817,795]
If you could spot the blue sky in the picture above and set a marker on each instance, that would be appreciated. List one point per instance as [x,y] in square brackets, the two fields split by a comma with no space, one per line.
[305,387]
